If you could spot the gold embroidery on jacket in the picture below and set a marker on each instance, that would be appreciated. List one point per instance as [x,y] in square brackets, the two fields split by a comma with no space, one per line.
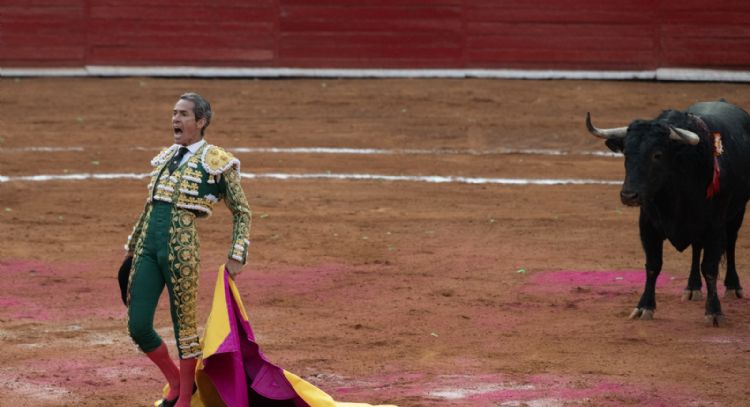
[208,176]
[242,216]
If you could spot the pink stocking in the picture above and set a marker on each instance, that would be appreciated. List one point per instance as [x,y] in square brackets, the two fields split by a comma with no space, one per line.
[187,378]
[160,357]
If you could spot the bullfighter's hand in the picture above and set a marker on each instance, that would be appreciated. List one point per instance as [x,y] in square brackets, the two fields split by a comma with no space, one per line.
[234,267]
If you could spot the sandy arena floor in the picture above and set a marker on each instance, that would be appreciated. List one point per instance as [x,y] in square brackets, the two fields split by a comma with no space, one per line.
[390,290]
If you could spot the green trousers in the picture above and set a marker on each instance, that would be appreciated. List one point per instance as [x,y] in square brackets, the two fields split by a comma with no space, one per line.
[166,254]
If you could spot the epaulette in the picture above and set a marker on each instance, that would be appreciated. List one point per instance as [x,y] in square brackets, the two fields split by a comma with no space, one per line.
[161,158]
[216,160]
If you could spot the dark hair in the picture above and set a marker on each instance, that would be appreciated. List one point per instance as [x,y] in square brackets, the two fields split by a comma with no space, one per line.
[201,108]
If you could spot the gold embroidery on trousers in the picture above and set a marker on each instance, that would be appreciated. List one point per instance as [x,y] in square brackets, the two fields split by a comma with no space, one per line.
[184,259]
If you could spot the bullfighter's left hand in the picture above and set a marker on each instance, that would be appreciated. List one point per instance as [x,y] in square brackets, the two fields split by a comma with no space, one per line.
[234,267]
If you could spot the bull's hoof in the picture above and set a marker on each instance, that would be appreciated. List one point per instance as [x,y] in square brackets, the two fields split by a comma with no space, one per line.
[731,293]
[692,295]
[642,313]
[713,319]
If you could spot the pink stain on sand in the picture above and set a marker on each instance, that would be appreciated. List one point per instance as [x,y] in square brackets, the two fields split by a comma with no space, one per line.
[482,390]
[25,290]
[39,291]
[18,267]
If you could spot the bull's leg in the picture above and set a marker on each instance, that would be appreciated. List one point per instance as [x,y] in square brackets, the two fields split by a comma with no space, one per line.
[732,280]
[710,270]
[647,304]
[693,289]
[653,245]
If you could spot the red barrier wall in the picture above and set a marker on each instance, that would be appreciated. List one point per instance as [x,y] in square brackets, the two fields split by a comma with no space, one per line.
[544,34]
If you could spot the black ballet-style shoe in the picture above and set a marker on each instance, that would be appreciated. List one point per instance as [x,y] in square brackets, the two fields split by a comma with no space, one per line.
[172,403]
[168,403]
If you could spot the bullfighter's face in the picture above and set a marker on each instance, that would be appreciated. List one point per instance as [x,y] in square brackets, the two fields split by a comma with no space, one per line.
[186,129]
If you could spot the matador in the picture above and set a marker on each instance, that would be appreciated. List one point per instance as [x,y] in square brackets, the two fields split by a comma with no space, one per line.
[187,180]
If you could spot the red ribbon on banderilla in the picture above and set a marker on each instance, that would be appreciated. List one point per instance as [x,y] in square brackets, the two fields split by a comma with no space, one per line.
[713,187]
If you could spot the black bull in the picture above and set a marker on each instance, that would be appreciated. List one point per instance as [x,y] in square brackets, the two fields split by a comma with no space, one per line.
[690,174]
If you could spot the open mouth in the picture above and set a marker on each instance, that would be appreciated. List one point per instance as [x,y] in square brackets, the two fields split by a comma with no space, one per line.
[177,130]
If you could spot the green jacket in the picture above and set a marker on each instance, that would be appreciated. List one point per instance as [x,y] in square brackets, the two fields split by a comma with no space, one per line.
[210,175]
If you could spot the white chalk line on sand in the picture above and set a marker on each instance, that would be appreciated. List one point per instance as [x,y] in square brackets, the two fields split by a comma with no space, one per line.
[42,149]
[379,151]
[437,179]
[346,150]
[434,179]
[457,393]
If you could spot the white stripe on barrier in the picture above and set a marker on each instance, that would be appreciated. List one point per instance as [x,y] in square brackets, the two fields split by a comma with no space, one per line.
[439,179]
[668,74]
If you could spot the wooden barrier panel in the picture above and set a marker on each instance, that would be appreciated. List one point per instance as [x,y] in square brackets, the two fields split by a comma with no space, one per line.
[493,34]
[189,32]
[694,33]
[585,34]
[371,34]
[42,33]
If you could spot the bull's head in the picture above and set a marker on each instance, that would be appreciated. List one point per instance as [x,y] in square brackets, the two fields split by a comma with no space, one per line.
[649,163]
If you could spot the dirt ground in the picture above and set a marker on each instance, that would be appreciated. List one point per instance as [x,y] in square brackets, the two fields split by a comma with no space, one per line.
[399,291]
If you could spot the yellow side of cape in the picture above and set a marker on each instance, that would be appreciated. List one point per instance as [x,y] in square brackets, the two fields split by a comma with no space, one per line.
[217,330]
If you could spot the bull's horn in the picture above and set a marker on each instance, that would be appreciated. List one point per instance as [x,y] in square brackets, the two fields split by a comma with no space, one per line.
[686,136]
[617,132]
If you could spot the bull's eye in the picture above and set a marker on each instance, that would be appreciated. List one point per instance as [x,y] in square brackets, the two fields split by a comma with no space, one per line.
[656,156]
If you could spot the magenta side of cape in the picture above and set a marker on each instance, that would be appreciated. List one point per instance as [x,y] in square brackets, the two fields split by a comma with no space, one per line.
[239,358]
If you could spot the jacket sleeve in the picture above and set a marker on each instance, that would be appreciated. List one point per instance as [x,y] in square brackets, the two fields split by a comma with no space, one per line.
[234,198]
[136,233]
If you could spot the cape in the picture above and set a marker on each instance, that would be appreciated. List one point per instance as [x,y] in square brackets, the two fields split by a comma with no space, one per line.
[233,370]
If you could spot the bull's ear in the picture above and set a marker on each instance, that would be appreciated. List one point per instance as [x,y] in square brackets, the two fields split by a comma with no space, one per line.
[615,144]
